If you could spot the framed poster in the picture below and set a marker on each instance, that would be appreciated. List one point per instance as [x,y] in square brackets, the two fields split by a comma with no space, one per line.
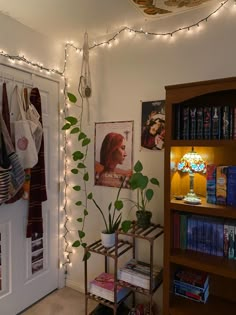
[113,153]
[153,125]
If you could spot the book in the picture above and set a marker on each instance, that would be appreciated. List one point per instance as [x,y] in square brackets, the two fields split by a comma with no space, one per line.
[225,122]
[216,122]
[176,240]
[226,240]
[211,183]
[234,123]
[183,230]
[104,286]
[235,241]
[199,123]
[221,184]
[198,279]
[231,186]
[231,239]
[219,239]
[178,122]
[193,124]
[137,273]
[207,122]
[192,293]
[185,119]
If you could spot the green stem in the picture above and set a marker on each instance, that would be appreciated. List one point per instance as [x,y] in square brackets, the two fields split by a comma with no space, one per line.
[104,219]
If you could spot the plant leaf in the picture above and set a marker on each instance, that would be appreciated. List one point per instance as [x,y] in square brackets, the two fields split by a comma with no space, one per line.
[119,204]
[138,167]
[80,220]
[82,135]
[66,126]
[85,212]
[154,181]
[86,256]
[78,203]
[85,142]
[77,188]
[86,177]
[72,97]
[74,171]
[77,155]
[75,130]
[138,180]
[76,243]
[149,194]
[126,225]
[81,165]
[72,120]
[81,234]
[109,207]
[90,196]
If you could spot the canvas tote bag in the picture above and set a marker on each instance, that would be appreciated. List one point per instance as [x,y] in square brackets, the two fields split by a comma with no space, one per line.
[23,134]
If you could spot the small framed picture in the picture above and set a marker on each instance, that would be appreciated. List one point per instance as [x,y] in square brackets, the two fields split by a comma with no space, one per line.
[113,153]
[153,125]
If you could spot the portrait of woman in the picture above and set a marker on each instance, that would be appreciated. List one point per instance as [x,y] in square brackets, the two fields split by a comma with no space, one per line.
[153,125]
[113,153]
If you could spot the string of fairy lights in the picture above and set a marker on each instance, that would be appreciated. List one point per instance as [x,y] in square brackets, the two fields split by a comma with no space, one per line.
[23,60]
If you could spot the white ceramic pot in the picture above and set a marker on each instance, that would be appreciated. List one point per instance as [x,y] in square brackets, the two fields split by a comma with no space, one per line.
[108,240]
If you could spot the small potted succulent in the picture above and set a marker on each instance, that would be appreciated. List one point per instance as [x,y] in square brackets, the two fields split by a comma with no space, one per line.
[140,183]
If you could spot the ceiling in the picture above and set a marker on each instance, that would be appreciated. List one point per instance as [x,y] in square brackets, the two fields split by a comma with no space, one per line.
[69,19]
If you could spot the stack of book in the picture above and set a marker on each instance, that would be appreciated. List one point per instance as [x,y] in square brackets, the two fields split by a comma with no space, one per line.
[104,286]
[137,273]
[192,284]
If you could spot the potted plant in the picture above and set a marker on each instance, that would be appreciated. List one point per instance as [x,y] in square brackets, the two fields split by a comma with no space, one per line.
[111,219]
[140,183]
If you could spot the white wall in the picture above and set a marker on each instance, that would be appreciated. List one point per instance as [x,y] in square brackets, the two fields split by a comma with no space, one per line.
[17,39]
[139,69]
[135,69]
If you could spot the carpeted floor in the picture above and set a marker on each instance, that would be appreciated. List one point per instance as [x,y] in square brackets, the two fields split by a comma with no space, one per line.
[64,301]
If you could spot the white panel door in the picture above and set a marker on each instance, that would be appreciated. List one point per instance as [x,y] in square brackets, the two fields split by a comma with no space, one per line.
[29,267]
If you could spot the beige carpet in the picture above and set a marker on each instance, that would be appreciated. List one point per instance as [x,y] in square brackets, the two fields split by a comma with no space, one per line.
[64,301]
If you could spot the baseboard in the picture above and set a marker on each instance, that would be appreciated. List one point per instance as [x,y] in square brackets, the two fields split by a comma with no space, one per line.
[75,285]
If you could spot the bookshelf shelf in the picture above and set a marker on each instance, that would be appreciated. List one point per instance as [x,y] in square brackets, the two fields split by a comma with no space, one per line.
[219,93]
[204,262]
[203,208]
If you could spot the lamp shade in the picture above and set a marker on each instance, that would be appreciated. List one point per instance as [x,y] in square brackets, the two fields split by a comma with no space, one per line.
[192,162]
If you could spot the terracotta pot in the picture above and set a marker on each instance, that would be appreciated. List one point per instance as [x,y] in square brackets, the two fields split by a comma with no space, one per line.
[108,240]
[143,218]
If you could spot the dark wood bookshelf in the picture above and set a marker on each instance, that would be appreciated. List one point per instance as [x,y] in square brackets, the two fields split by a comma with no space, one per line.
[221,270]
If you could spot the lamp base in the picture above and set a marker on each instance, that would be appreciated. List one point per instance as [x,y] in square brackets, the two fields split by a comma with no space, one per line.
[192,198]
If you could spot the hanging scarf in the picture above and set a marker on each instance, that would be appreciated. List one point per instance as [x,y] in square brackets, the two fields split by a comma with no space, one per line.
[38,192]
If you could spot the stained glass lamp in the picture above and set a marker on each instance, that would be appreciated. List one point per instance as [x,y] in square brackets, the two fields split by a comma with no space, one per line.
[192,163]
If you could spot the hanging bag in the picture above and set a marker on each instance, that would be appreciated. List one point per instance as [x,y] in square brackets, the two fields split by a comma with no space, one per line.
[33,115]
[24,130]
[16,178]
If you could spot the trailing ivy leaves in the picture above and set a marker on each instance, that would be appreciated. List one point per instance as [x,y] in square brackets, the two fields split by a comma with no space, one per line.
[73,127]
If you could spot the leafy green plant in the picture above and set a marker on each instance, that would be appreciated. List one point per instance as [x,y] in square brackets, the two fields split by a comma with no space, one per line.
[140,183]
[73,125]
[113,220]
